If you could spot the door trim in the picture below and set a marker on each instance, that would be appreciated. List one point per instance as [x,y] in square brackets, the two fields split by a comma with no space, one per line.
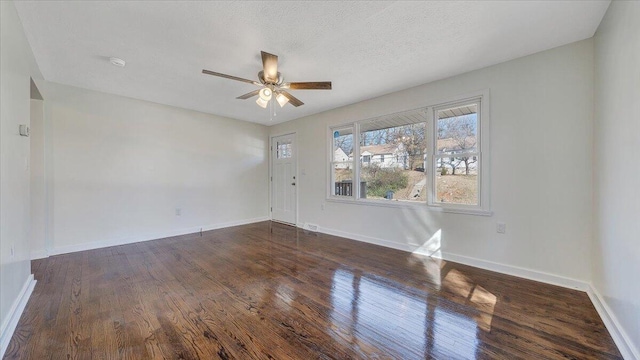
[270,179]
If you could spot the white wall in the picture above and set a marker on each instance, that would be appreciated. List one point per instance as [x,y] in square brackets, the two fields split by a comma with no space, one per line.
[121,167]
[37,186]
[541,167]
[616,251]
[17,66]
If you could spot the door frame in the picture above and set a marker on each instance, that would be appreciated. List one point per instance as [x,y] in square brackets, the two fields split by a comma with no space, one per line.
[270,179]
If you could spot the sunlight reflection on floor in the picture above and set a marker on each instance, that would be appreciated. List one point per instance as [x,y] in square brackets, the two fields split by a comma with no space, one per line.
[373,311]
[486,302]
[367,309]
[481,299]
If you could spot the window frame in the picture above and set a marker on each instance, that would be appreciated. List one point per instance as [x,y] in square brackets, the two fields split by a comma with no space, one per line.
[483,135]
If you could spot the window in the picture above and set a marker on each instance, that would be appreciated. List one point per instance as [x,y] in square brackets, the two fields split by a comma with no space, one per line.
[402,134]
[431,156]
[456,155]
[283,149]
[342,169]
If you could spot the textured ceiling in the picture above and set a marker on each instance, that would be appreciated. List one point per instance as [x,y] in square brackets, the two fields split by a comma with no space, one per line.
[366,49]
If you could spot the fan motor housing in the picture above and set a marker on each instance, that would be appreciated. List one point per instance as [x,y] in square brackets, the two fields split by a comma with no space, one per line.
[277,83]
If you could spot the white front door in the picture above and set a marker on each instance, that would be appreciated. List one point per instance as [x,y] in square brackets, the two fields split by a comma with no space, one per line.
[283,178]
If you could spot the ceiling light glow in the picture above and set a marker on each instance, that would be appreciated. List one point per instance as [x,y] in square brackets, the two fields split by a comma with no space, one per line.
[282,100]
[265,94]
[262,102]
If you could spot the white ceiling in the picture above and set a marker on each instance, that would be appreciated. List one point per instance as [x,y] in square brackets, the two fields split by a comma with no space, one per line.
[366,49]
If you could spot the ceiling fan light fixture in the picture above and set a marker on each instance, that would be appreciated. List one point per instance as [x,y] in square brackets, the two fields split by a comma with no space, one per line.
[282,100]
[262,102]
[265,94]
[271,84]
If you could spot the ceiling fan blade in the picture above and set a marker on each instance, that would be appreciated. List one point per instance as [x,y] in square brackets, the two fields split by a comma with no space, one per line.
[248,95]
[317,85]
[209,72]
[270,66]
[292,99]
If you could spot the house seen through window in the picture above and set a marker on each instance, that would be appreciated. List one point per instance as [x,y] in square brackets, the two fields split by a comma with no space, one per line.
[396,145]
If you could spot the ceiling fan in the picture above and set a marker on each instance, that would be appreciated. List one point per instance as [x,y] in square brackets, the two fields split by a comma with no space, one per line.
[272,84]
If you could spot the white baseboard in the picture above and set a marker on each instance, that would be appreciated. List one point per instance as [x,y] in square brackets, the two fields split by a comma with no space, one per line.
[40,254]
[620,337]
[525,273]
[11,321]
[466,260]
[367,239]
[152,236]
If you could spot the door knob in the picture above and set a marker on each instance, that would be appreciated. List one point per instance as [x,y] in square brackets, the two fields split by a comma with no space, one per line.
[293,184]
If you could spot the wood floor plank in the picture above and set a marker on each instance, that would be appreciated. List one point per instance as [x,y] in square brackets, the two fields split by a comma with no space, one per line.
[271,291]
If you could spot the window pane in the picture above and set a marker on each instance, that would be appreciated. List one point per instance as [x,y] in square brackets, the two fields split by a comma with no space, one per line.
[283,149]
[343,144]
[457,129]
[392,153]
[343,179]
[457,180]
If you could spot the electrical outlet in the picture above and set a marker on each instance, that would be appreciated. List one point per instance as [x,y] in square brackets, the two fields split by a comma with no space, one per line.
[501,228]
[178,212]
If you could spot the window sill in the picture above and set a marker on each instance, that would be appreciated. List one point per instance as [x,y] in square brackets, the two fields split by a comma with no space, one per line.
[406,204]
[477,212]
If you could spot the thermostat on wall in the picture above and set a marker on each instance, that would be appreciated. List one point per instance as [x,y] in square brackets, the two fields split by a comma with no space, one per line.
[24,130]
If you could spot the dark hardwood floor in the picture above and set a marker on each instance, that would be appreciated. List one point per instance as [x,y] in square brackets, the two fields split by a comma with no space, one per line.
[270,291]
